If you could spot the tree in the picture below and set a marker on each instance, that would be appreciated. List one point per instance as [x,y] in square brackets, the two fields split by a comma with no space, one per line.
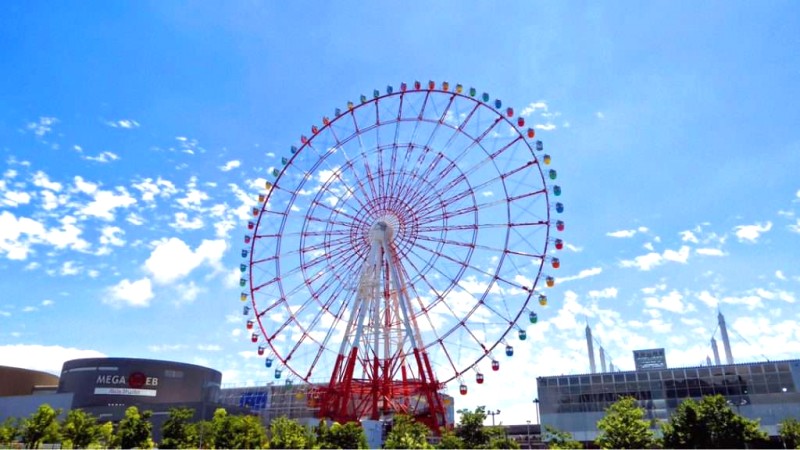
[710,423]
[624,426]
[789,430]
[470,428]
[249,432]
[9,432]
[41,426]
[286,433]
[222,432]
[338,436]
[177,431]
[79,429]
[557,439]
[204,430]
[135,429]
[450,440]
[407,433]
[105,435]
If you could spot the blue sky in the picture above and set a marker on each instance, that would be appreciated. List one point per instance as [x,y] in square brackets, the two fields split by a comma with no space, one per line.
[133,136]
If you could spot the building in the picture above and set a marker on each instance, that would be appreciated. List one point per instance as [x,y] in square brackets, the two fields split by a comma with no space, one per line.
[106,387]
[768,391]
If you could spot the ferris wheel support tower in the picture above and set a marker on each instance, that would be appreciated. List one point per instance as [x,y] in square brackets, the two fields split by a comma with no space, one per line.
[397,376]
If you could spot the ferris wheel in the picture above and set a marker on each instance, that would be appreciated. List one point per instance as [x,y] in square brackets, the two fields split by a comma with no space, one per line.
[401,245]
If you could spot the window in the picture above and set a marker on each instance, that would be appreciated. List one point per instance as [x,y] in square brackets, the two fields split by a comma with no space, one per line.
[585,380]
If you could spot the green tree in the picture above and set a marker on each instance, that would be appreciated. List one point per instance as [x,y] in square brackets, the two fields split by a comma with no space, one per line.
[10,430]
[557,439]
[286,433]
[338,436]
[710,423]
[789,430]
[177,431]
[105,435]
[41,426]
[79,429]
[624,426]
[407,433]
[249,432]
[450,440]
[222,430]
[470,428]
[204,430]
[135,429]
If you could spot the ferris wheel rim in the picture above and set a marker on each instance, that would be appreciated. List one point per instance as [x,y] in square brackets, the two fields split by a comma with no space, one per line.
[307,142]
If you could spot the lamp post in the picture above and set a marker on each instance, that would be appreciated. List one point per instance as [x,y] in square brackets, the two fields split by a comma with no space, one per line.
[528,438]
[493,413]
[536,408]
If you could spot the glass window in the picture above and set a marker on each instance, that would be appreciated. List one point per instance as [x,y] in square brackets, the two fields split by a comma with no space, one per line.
[769,368]
[585,379]
[783,367]
[619,377]
[630,376]
[704,372]
[608,378]
[666,374]
[573,381]
[596,379]
[756,369]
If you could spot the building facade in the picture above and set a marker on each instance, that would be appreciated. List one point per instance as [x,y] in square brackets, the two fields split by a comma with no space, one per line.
[767,391]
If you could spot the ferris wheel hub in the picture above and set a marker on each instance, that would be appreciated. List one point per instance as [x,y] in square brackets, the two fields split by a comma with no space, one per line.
[381,232]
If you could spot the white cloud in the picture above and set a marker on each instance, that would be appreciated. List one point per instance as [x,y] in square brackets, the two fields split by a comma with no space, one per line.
[43,126]
[17,235]
[653,259]
[189,292]
[172,259]
[70,268]
[610,292]
[103,157]
[672,302]
[124,123]
[585,273]
[751,233]
[532,107]
[46,358]
[47,303]
[688,236]
[779,275]
[230,165]
[680,256]
[795,227]
[166,348]
[549,126]
[137,293]
[40,179]
[209,348]
[150,189]
[109,236]
[621,233]
[15,198]
[182,222]
[644,262]
[710,300]
[600,115]
[105,202]
[710,252]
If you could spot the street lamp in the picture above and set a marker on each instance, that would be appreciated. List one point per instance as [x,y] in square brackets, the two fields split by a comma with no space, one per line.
[493,413]
[528,439]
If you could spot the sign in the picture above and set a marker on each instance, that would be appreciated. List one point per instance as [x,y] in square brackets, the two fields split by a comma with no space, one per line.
[125,391]
[137,384]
